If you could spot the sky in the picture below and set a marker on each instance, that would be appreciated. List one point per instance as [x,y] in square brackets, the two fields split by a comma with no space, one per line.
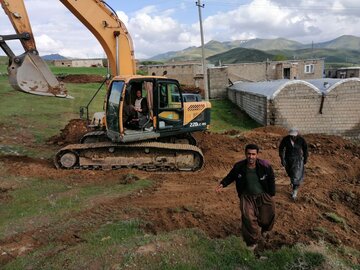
[159,26]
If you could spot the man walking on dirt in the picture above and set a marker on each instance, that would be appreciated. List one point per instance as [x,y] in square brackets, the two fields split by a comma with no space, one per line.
[293,152]
[255,185]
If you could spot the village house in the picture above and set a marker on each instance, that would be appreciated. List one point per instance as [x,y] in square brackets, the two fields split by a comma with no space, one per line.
[78,63]
[220,77]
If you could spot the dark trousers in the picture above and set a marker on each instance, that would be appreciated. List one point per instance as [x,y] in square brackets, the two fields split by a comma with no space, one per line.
[256,211]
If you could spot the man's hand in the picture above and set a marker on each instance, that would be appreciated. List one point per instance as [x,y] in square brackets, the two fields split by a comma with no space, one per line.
[219,188]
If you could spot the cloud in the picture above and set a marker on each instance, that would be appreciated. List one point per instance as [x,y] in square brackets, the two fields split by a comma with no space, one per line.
[56,30]
[154,33]
[47,44]
[304,21]
[159,29]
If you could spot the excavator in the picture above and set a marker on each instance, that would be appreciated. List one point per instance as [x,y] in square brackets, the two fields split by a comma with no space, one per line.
[163,142]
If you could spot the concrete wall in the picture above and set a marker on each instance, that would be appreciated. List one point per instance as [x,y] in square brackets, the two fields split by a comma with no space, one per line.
[62,63]
[79,63]
[319,68]
[248,72]
[87,63]
[343,104]
[188,74]
[254,105]
[299,105]
[218,80]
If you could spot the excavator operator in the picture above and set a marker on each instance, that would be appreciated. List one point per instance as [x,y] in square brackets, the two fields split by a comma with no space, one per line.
[141,108]
[136,112]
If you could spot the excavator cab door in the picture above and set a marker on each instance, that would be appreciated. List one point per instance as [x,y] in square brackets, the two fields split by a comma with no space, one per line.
[170,111]
[114,108]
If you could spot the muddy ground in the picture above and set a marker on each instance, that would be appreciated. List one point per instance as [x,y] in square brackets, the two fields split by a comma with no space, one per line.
[188,200]
[81,78]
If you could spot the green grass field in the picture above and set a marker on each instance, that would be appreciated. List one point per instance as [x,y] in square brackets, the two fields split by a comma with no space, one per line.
[115,244]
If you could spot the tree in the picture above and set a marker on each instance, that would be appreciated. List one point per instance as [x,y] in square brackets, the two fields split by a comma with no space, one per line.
[280,57]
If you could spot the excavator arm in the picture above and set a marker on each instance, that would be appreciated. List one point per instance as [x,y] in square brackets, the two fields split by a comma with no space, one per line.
[109,30]
[29,73]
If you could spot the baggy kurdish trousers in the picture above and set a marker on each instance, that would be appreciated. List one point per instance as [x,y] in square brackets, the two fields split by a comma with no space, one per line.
[256,211]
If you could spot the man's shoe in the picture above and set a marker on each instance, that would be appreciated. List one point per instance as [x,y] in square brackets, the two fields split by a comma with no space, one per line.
[252,247]
[294,194]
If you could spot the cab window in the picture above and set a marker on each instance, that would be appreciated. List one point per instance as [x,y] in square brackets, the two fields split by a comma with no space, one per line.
[113,104]
[169,96]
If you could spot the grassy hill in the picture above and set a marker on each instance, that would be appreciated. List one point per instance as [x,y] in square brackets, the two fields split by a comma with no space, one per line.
[271,44]
[51,57]
[330,55]
[194,53]
[347,42]
[337,50]
[240,55]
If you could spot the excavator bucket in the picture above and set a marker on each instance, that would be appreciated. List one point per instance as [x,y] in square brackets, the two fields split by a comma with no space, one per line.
[29,73]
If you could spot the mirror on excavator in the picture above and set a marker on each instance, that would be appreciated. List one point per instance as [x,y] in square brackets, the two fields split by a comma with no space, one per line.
[28,72]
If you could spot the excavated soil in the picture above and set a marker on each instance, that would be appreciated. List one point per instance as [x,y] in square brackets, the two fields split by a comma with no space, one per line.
[71,133]
[188,200]
[81,78]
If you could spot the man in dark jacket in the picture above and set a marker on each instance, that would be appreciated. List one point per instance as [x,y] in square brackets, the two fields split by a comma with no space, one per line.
[255,185]
[293,152]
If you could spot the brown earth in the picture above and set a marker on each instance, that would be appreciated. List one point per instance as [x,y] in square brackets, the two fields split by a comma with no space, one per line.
[81,78]
[188,200]
[71,133]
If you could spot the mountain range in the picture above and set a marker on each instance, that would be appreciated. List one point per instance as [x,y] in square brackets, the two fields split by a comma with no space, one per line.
[343,48]
[55,56]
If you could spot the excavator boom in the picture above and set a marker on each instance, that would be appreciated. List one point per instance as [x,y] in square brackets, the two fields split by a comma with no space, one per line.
[27,72]
[109,30]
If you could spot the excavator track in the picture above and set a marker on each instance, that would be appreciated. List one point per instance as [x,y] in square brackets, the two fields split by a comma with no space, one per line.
[149,156]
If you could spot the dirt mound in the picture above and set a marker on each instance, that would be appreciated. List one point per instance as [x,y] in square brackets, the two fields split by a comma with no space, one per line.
[331,145]
[277,130]
[81,78]
[72,133]
[188,200]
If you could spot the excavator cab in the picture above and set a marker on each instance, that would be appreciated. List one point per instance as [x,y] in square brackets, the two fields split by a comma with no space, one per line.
[167,115]
[163,143]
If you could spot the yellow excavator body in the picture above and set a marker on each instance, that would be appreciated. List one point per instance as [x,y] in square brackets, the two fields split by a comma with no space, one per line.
[162,142]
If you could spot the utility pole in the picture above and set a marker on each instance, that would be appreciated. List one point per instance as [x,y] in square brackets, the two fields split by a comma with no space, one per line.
[199,5]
